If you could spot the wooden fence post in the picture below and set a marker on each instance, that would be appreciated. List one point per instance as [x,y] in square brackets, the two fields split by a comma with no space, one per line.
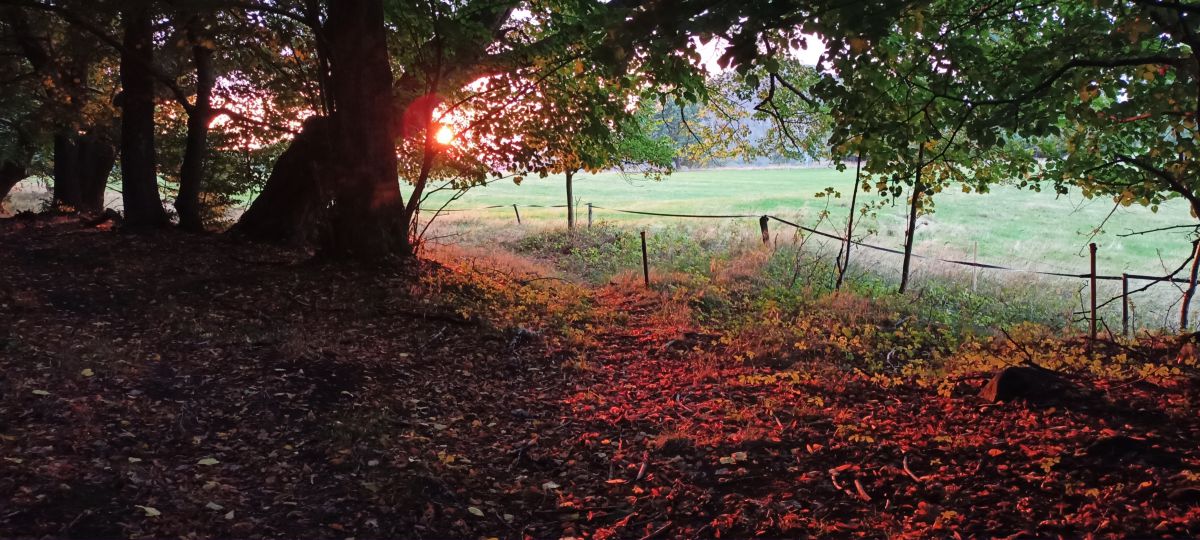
[589,215]
[518,213]
[645,261]
[1125,304]
[766,234]
[1092,332]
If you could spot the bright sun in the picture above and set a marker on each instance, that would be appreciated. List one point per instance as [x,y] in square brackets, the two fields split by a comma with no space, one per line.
[444,135]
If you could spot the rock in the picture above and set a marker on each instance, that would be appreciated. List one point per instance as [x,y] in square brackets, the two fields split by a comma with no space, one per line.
[1027,383]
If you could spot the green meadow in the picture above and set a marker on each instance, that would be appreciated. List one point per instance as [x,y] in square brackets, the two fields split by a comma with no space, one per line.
[1007,226]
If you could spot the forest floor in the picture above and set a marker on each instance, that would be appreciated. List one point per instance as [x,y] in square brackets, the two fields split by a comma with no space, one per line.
[174,385]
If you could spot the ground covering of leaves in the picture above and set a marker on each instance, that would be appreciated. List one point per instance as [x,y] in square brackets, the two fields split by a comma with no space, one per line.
[171,385]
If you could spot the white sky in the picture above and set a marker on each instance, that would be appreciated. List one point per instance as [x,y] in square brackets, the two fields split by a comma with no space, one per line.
[711,51]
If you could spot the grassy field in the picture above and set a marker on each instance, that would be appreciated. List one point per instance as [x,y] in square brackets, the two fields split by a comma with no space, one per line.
[1009,226]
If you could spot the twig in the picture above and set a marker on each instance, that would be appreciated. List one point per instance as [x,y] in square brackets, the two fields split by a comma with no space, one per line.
[917,479]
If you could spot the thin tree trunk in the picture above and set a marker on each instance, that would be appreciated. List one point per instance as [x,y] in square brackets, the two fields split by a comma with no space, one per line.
[66,172]
[841,277]
[1191,290]
[191,171]
[570,201]
[139,179]
[918,190]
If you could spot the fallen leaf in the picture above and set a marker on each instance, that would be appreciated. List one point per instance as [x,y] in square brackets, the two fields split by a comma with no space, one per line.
[475,511]
[41,393]
[149,510]
[207,462]
[87,372]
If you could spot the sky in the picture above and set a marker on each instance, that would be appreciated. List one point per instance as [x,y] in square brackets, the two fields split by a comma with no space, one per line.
[711,51]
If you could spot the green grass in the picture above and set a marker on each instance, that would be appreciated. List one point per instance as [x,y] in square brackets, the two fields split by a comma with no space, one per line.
[1009,226]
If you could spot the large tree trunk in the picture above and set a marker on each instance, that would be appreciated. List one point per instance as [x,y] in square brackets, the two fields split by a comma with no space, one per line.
[339,177]
[11,172]
[82,164]
[96,160]
[290,207]
[139,178]
[191,171]
[67,193]
[367,213]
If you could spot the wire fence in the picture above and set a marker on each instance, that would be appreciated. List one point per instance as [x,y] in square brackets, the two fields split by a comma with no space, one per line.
[1124,278]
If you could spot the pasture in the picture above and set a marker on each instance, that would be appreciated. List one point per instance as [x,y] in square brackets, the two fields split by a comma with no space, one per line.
[1011,227]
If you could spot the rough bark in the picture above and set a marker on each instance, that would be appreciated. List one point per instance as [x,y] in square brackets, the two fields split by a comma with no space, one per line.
[338,179]
[367,212]
[191,171]
[11,172]
[67,194]
[139,181]
[290,206]
[96,160]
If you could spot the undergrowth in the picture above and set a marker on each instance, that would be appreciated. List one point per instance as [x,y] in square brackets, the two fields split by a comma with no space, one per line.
[776,305]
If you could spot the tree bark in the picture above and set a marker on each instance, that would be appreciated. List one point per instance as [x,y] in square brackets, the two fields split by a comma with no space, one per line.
[96,160]
[191,171]
[341,170]
[570,201]
[139,179]
[845,262]
[11,172]
[1191,289]
[67,195]
[290,207]
[367,216]
[918,190]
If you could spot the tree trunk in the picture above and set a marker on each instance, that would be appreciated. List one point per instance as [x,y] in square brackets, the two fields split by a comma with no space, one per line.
[139,178]
[845,262]
[1191,289]
[191,171]
[570,202]
[96,159]
[289,209]
[11,172]
[367,218]
[67,195]
[918,190]
[339,176]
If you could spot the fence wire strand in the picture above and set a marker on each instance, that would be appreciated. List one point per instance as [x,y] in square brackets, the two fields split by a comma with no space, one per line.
[972,264]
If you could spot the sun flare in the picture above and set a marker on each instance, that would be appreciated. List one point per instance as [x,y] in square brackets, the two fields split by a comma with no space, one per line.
[444,135]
